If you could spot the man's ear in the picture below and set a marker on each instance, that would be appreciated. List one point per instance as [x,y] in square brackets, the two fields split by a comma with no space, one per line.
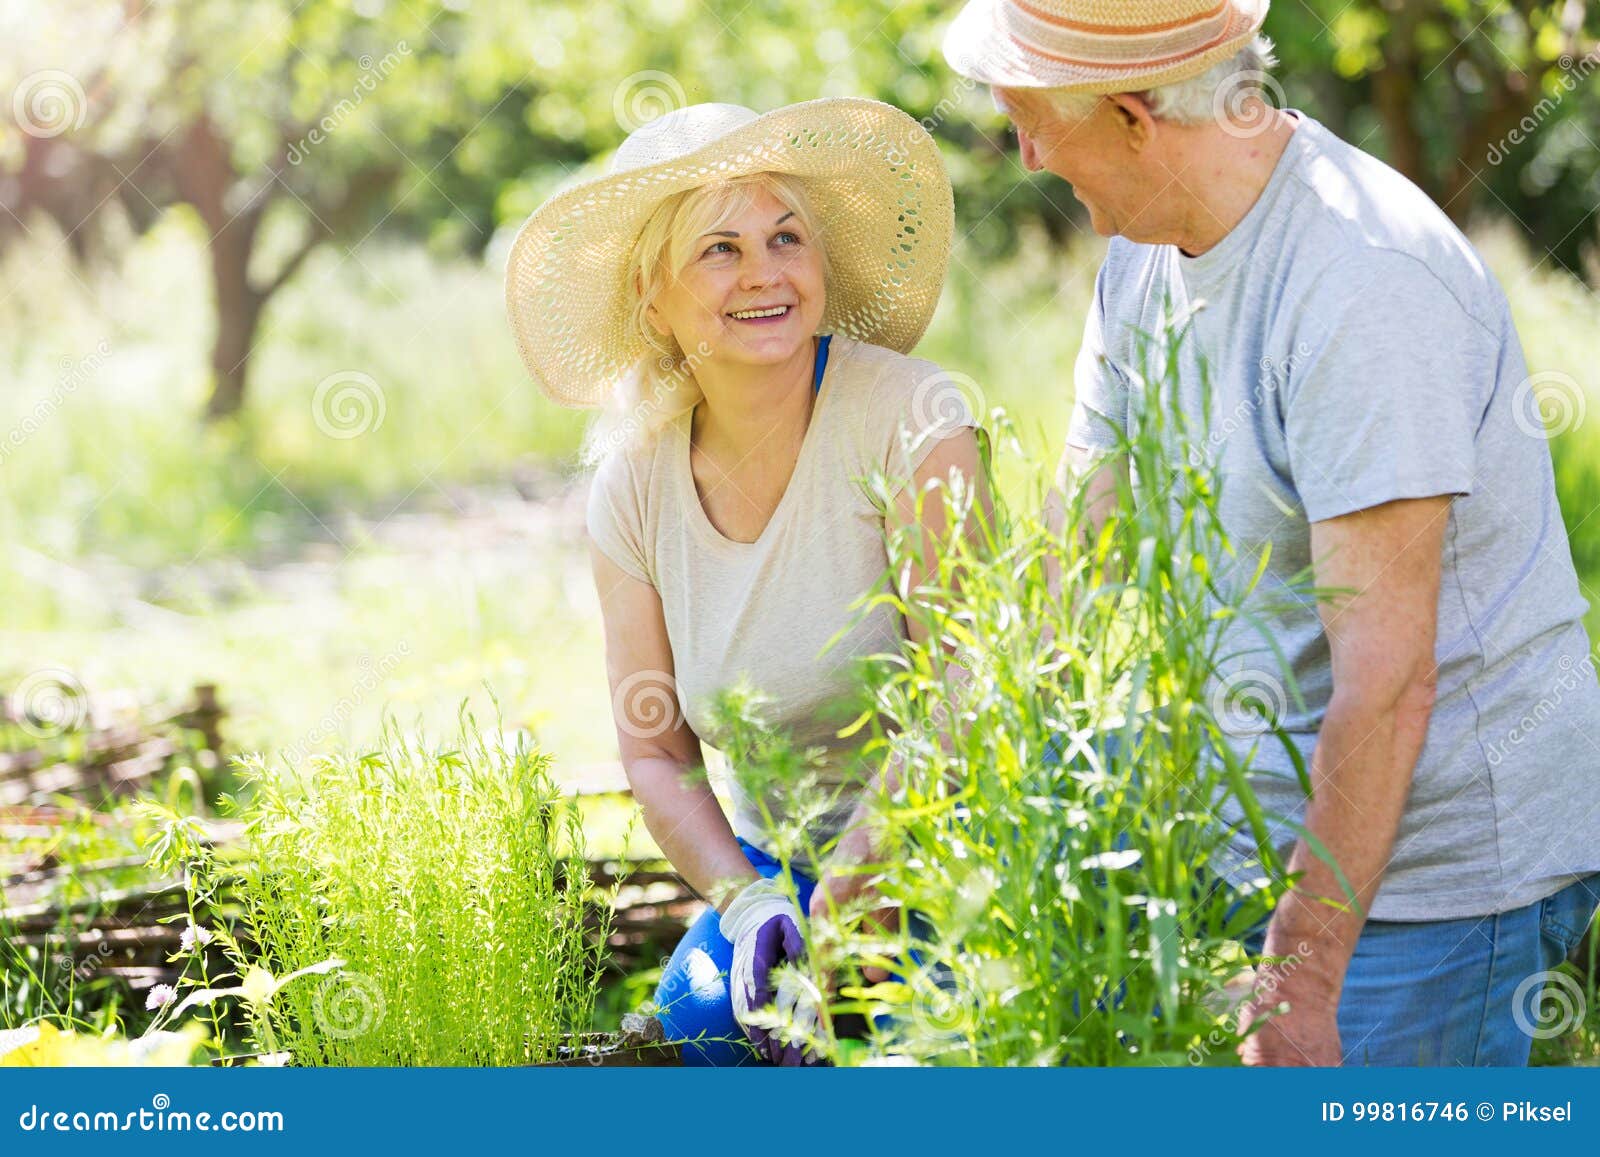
[1133,115]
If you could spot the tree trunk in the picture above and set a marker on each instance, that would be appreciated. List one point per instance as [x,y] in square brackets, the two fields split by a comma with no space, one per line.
[238,315]
[207,180]
[1394,95]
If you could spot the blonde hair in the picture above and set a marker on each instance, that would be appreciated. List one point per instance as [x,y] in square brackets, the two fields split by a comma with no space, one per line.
[661,385]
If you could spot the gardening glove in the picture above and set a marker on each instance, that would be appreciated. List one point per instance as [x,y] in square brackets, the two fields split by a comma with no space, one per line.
[763,925]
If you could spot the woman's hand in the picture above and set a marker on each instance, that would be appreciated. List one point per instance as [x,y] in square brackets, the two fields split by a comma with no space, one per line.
[763,925]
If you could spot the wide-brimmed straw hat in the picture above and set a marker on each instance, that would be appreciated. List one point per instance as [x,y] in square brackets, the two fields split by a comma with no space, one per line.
[876,183]
[1097,46]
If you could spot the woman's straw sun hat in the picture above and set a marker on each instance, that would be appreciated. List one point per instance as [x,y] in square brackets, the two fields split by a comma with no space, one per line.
[877,186]
[1097,46]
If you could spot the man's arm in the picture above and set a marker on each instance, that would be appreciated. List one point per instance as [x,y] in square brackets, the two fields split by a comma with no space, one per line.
[1100,475]
[1381,635]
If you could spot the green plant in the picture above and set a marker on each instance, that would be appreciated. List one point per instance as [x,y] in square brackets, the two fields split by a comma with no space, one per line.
[1061,768]
[431,905]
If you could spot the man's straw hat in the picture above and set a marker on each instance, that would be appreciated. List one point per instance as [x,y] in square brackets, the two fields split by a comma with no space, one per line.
[877,186]
[1097,46]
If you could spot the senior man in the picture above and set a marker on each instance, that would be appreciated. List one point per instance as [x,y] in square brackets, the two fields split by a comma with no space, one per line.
[1381,429]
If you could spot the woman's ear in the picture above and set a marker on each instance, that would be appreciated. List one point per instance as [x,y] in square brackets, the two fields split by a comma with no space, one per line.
[653,316]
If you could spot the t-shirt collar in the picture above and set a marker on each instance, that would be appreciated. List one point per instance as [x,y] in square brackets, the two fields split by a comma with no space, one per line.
[1237,243]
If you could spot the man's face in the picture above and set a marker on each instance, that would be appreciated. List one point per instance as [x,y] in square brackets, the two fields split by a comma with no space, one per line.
[1099,154]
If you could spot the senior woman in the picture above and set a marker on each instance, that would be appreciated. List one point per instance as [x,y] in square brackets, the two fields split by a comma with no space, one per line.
[746,287]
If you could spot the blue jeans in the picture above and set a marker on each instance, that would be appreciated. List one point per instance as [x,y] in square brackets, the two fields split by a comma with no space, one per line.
[693,1001]
[1460,992]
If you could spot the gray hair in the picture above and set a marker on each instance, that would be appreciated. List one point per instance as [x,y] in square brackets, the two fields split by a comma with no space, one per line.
[1194,100]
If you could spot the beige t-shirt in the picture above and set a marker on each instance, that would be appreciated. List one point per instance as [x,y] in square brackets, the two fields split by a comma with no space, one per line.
[764,611]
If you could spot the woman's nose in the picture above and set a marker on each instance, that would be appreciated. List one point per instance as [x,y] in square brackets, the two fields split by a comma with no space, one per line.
[760,267]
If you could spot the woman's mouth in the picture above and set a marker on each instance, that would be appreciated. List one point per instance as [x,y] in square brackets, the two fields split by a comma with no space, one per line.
[766,316]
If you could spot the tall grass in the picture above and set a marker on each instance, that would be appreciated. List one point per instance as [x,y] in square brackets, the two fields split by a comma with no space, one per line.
[1066,773]
[451,883]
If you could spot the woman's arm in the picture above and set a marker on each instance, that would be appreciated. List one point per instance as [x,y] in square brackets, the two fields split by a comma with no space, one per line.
[955,456]
[660,753]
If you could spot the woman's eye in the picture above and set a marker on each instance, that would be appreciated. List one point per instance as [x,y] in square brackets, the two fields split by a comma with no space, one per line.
[719,248]
[787,238]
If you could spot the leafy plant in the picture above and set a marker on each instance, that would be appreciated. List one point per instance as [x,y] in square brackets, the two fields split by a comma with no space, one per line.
[1064,765]
[430,906]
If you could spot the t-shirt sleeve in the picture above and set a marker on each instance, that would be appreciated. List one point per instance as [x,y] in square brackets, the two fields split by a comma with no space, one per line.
[1389,382]
[615,517]
[1100,394]
[912,407]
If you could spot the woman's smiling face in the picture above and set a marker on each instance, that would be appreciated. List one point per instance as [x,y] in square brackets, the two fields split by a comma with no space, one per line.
[753,289]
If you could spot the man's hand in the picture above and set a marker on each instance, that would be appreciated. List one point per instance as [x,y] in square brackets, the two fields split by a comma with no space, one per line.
[1305,1035]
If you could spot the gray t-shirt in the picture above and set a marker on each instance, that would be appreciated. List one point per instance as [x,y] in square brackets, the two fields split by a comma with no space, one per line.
[1360,352]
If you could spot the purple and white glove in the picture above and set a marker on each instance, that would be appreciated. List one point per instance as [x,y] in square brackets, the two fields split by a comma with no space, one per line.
[763,925]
